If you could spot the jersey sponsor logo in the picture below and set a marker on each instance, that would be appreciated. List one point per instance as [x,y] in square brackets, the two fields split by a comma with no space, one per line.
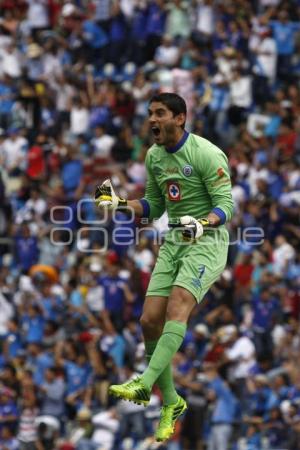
[172,170]
[187,170]
[220,172]
[173,191]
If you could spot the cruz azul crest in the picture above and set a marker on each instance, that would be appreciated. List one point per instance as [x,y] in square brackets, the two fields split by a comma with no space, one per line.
[173,189]
[187,170]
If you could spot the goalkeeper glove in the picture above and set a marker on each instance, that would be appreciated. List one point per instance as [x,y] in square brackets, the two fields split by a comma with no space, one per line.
[193,228]
[105,197]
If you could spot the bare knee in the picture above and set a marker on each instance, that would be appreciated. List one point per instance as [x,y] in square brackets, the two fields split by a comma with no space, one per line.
[152,325]
[153,317]
[180,305]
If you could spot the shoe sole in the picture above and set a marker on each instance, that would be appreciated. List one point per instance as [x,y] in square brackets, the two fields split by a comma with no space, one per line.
[123,397]
[184,408]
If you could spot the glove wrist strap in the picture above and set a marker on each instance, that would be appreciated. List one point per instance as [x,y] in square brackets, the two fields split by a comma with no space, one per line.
[204,222]
[122,204]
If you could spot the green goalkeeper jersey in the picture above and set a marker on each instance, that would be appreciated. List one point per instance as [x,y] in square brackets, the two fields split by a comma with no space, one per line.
[190,179]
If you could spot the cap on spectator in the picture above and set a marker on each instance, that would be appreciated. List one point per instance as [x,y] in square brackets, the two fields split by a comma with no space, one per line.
[129,69]
[106,343]
[229,51]
[126,86]
[66,446]
[68,9]
[226,333]
[57,290]
[12,130]
[286,104]
[34,50]
[242,169]
[25,283]
[95,267]
[84,414]
[149,67]
[231,329]
[201,328]
[285,406]
[109,70]
[112,257]
[7,260]
[49,272]
[85,337]
[260,378]
[227,275]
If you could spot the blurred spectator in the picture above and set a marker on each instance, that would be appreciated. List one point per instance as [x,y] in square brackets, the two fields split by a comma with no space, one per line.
[178,20]
[194,420]
[14,152]
[240,97]
[106,426]
[102,142]
[26,248]
[155,26]
[264,66]
[79,117]
[224,411]
[132,420]
[48,429]
[52,393]
[27,434]
[7,314]
[166,53]
[7,95]
[7,440]
[143,257]
[8,409]
[11,61]
[37,15]
[265,308]
[239,353]
[9,379]
[284,34]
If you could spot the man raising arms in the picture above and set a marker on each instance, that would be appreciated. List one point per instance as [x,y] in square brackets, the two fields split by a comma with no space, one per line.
[188,177]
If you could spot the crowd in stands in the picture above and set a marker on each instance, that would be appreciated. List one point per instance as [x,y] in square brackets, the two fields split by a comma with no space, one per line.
[75,81]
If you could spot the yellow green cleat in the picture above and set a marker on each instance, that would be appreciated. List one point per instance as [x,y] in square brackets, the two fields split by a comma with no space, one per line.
[169,415]
[133,390]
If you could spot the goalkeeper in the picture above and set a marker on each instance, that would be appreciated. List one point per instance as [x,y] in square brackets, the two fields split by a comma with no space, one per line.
[187,176]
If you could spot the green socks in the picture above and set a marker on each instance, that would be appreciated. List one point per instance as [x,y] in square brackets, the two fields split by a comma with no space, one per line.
[165,379]
[160,363]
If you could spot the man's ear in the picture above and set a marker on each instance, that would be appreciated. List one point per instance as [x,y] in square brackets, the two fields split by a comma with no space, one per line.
[180,119]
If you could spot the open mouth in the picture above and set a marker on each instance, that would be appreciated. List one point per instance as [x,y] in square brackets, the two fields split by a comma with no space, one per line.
[155,131]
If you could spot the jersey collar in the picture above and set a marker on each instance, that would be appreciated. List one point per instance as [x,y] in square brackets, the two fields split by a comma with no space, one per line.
[179,144]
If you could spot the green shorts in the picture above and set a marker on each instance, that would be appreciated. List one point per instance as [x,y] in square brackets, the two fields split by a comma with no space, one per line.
[193,266]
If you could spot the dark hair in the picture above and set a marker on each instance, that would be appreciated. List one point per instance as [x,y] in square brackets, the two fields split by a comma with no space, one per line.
[52,369]
[11,368]
[172,101]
